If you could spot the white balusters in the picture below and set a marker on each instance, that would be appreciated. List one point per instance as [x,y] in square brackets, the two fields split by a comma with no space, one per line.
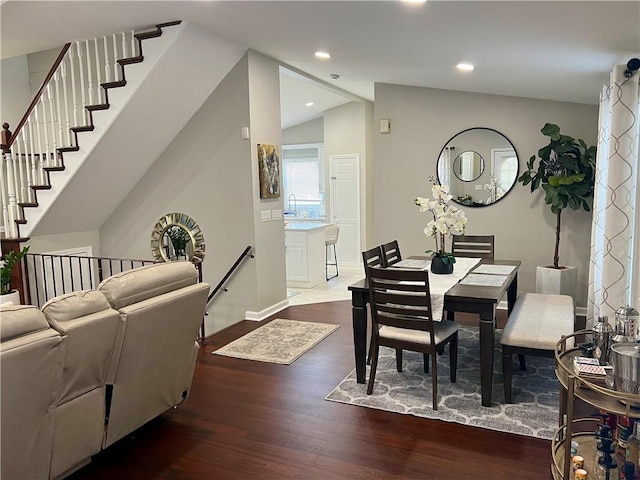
[83,90]
[124,45]
[67,119]
[98,72]
[73,86]
[89,75]
[115,59]
[59,119]
[12,204]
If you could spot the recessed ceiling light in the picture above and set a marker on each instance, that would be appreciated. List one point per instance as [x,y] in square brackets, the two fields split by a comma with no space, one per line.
[414,1]
[322,55]
[465,67]
[309,104]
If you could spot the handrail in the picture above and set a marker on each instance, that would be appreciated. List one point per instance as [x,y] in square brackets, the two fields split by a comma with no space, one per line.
[36,99]
[47,275]
[230,272]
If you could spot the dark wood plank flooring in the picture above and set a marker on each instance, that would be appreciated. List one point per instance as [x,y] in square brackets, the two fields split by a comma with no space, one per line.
[250,420]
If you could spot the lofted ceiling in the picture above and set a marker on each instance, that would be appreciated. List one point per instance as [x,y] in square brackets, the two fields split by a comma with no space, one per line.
[554,50]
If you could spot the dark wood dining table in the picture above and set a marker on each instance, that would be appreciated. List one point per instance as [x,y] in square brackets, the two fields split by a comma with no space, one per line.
[481,300]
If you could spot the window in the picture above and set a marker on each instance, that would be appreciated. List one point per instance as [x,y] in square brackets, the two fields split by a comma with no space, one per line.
[303,180]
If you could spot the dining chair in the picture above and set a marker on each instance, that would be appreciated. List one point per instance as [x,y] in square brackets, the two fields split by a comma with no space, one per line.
[372,258]
[331,233]
[476,246]
[391,253]
[403,319]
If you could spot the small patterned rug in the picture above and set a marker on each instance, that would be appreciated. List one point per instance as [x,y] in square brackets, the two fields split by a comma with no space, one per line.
[279,341]
[535,391]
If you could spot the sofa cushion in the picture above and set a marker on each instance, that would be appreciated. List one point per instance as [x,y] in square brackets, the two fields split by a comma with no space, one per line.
[18,320]
[74,305]
[139,284]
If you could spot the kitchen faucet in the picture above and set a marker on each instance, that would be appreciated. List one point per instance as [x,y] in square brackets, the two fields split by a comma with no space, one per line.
[295,204]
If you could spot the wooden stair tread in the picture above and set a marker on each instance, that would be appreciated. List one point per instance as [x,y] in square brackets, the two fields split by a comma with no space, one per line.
[28,204]
[130,61]
[99,106]
[86,128]
[41,187]
[53,169]
[117,83]
[68,149]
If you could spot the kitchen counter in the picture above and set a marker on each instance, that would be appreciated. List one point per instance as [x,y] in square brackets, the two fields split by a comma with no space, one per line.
[303,226]
[305,254]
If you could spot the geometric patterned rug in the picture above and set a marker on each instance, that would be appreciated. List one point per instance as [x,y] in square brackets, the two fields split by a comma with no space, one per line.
[279,341]
[535,390]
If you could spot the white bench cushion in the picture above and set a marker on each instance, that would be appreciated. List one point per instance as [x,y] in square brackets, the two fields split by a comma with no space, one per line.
[539,321]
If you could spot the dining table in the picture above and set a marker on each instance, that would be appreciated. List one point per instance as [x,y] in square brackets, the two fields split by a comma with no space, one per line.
[480,298]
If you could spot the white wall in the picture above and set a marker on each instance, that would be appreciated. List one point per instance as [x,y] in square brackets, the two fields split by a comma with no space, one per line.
[15,94]
[308,132]
[264,104]
[346,132]
[206,172]
[423,120]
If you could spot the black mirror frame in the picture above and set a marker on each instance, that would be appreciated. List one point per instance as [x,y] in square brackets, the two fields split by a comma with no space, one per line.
[515,180]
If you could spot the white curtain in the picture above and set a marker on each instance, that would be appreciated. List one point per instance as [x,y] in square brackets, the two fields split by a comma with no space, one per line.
[615,244]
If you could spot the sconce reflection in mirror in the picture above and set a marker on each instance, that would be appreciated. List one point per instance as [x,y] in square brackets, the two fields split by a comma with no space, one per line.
[485,170]
[177,236]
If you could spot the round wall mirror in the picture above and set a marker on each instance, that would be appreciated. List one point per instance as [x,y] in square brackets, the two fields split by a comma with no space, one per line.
[480,165]
[468,166]
[177,236]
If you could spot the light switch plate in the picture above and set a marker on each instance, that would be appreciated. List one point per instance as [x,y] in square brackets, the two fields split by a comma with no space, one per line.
[276,214]
[265,216]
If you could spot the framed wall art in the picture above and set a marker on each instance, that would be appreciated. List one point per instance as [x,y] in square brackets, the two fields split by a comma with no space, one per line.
[269,171]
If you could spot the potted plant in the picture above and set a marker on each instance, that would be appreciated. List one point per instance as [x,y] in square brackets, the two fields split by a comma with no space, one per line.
[8,262]
[565,170]
[447,220]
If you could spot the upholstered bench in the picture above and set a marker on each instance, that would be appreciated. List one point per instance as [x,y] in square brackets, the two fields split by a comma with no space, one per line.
[535,325]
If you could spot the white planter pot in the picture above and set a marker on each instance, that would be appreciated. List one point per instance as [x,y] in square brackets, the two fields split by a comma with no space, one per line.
[13,297]
[561,281]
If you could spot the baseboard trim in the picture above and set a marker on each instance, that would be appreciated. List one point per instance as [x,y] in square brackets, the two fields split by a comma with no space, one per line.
[267,312]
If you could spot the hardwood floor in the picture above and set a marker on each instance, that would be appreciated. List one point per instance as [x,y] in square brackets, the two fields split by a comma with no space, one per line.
[260,421]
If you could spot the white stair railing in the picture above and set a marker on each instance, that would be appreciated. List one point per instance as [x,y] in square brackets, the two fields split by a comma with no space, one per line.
[56,114]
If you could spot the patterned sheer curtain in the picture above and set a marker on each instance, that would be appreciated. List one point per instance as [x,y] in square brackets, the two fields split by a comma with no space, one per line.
[614,272]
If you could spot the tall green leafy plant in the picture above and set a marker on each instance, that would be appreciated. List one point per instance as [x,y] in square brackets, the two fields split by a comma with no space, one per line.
[565,170]
[8,262]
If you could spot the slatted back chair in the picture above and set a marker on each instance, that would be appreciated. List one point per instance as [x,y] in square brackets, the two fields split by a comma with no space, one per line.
[476,246]
[372,258]
[403,319]
[391,253]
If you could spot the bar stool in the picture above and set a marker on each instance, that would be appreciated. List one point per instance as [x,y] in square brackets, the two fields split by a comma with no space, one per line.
[331,237]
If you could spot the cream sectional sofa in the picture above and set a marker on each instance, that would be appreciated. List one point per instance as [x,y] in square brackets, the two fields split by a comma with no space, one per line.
[93,366]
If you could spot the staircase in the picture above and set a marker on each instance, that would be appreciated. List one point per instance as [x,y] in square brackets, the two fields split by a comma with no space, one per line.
[106,111]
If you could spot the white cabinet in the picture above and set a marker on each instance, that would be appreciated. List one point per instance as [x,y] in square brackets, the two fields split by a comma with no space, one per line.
[297,270]
[305,254]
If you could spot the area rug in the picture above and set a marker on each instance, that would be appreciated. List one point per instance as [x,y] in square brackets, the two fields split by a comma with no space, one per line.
[535,390]
[279,341]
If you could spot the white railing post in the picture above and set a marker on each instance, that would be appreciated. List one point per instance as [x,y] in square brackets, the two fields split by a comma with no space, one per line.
[56,79]
[115,58]
[83,94]
[133,44]
[4,198]
[98,72]
[12,205]
[89,76]
[74,95]
[107,65]
[124,45]
[67,119]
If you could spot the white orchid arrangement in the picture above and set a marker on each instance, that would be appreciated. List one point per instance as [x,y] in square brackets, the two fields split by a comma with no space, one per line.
[447,219]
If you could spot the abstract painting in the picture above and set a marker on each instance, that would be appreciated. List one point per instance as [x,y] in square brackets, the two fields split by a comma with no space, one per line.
[269,171]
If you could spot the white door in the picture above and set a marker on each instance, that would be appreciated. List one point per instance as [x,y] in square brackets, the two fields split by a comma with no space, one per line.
[344,171]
